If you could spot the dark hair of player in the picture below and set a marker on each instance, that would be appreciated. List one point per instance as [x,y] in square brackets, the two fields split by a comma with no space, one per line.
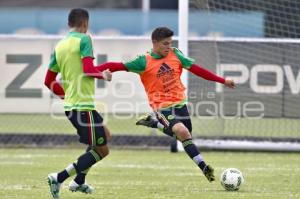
[161,33]
[77,16]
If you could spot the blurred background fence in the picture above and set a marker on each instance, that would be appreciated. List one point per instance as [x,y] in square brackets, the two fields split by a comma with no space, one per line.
[253,42]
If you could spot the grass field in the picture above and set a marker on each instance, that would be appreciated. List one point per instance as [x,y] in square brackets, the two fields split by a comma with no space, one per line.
[150,174]
[123,124]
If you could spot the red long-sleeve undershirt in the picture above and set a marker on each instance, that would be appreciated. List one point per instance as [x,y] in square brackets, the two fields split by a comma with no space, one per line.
[195,69]
[89,69]
[53,85]
[112,66]
[205,74]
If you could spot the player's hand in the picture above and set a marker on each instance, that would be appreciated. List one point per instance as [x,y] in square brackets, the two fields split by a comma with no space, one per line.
[229,83]
[107,75]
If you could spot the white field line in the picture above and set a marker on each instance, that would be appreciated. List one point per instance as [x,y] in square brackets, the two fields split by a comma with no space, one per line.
[16,163]
[16,187]
[27,156]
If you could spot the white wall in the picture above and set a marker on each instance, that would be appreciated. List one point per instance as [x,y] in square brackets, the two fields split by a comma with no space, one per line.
[124,94]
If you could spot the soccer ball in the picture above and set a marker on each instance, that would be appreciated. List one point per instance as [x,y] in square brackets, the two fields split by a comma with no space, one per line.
[231,179]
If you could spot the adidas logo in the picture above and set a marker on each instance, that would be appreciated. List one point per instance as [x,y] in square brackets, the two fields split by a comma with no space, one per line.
[163,70]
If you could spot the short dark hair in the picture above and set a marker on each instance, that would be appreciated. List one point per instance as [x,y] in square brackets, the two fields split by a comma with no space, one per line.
[77,16]
[161,33]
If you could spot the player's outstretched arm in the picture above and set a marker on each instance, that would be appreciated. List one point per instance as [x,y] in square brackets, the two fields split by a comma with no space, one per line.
[53,85]
[112,66]
[208,75]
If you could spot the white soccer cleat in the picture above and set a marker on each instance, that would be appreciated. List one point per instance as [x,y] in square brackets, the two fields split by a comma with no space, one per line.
[54,185]
[84,188]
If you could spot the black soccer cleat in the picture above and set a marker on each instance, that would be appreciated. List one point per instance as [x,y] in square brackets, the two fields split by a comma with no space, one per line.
[146,120]
[208,171]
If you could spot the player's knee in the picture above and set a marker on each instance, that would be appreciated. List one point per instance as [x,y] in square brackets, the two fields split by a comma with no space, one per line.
[181,132]
[184,132]
[103,151]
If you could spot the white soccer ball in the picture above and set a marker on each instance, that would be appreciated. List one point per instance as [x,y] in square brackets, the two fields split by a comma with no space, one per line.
[232,179]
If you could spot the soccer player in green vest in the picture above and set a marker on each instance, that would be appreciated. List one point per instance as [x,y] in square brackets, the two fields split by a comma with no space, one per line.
[73,59]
